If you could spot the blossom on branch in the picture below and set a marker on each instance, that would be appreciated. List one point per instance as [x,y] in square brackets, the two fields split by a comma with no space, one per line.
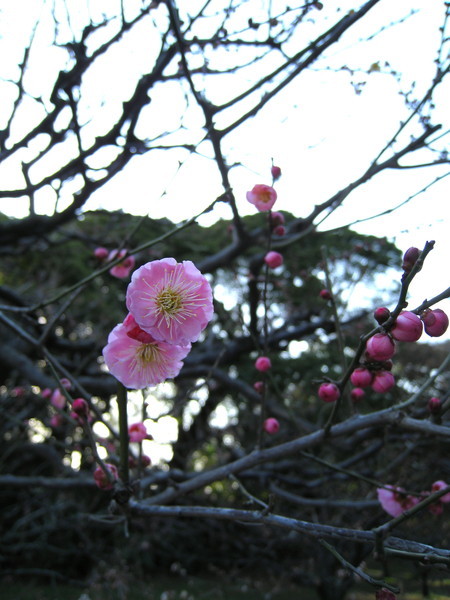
[262,196]
[137,360]
[122,269]
[137,432]
[171,301]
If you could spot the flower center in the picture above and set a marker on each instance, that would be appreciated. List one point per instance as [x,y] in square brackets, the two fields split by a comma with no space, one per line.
[169,301]
[148,353]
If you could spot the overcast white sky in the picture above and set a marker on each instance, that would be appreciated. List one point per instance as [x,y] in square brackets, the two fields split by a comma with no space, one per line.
[319,131]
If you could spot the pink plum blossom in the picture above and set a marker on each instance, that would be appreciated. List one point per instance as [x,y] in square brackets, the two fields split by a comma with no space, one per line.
[435,322]
[46,392]
[407,327]
[440,485]
[122,269]
[101,479]
[263,363]
[137,360]
[380,347]
[329,392]
[171,301]
[271,425]
[273,259]
[137,432]
[262,196]
[395,501]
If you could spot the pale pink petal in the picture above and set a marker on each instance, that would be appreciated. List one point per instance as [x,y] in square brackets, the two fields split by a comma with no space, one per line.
[171,301]
[138,364]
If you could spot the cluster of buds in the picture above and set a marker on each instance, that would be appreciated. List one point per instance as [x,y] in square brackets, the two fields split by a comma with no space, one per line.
[277,221]
[380,348]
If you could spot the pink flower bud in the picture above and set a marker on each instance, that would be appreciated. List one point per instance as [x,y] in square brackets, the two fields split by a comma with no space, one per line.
[145,460]
[381,314]
[101,479]
[101,253]
[361,377]
[259,386]
[440,485]
[273,259]
[271,426]
[279,230]
[357,394]
[57,399]
[276,218]
[435,322]
[380,347]
[325,294]
[407,328]
[46,393]
[56,421]
[329,392]
[138,432]
[66,383]
[263,363]
[434,405]
[383,381]
[276,172]
[80,407]
[409,259]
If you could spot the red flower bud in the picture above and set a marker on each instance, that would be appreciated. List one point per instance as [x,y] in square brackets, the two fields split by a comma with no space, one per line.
[329,392]
[80,407]
[381,314]
[357,394]
[271,426]
[263,363]
[435,322]
[434,405]
[383,381]
[280,230]
[409,259]
[325,294]
[275,172]
[273,259]
[101,479]
[361,377]
[407,328]
[259,386]
[380,347]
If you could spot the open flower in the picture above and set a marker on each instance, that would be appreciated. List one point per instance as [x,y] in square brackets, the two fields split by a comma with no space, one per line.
[137,360]
[171,301]
[122,269]
[262,196]
[395,501]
